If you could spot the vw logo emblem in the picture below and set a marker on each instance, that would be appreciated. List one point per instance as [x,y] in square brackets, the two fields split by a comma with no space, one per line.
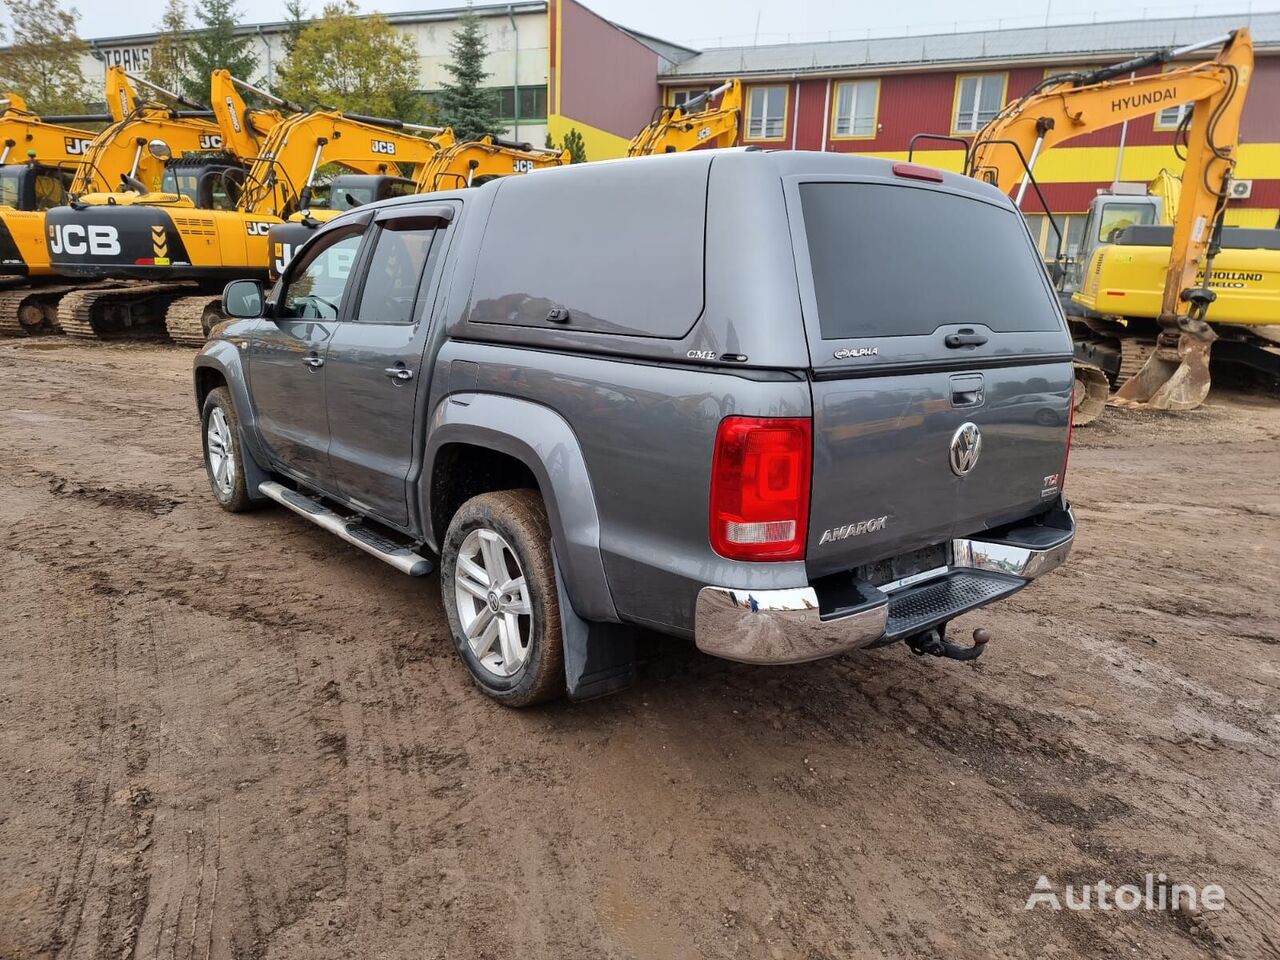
[966,445]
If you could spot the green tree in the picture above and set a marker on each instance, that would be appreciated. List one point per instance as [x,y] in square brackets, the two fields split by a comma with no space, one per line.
[464,104]
[169,54]
[355,64]
[576,146]
[42,61]
[216,45]
[294,24]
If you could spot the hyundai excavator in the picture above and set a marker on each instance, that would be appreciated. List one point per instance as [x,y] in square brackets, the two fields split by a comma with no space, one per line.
[457,164]
[187,244]
[1175,373]
[131,149]
[698,122]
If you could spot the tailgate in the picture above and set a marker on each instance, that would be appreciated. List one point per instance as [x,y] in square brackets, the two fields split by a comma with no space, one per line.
[940,364]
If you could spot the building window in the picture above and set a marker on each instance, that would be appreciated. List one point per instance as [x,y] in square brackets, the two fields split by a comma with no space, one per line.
[766,113]
[1072,226]
[680,97]
[979,98]
[856,106]
[533,102]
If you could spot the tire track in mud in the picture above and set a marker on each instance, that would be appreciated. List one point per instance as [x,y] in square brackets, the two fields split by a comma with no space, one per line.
[321,780]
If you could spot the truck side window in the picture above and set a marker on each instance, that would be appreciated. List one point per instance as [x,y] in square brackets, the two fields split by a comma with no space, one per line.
[402,250]
[316,287]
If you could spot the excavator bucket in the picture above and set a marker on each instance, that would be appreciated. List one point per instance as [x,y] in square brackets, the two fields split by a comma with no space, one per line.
[1090,397]
[1173,378]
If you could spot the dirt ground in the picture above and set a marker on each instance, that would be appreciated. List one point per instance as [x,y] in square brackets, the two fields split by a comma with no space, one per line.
[237,737]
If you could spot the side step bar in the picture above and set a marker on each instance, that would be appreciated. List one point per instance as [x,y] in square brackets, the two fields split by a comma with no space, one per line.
[356,534]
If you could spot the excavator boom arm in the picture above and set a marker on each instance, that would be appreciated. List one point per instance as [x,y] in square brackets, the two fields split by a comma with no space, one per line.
[684,127]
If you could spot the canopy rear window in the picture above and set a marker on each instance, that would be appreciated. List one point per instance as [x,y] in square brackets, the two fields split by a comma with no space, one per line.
[899,261]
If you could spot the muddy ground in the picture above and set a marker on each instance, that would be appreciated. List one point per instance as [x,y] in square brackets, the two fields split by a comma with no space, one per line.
[235,736]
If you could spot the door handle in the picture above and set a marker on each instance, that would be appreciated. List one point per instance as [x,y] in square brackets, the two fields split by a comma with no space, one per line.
[399,374]
[965,338]
[315,363]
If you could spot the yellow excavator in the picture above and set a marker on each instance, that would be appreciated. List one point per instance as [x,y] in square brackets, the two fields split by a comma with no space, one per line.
[130,150]
[701,121]
[1175,370]
[455,165]
[187,243]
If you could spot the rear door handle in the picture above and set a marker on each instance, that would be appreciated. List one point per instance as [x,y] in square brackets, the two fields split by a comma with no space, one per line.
[964,339]
[399,374]
[314,362]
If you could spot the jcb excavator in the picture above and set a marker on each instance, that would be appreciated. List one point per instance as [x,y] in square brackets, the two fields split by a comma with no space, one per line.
[131,150]
[457,164]
[38,155]
[1176,372]
[188,243]
[698,122]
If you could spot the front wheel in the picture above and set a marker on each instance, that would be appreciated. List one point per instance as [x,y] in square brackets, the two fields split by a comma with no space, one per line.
[223,456]
[498,584]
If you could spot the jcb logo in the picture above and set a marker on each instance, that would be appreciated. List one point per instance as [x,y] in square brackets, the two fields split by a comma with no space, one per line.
[383,146]
[281,256]
[95,240]
[78,146]
[704,132]
[210,141]
[522,166]
[257,228]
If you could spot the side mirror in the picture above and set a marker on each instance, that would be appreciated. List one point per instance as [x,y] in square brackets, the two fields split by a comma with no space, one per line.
[160,150]
[243,299]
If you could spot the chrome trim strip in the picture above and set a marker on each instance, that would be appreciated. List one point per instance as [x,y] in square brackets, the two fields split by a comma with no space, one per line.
[1025,562]
[778,626]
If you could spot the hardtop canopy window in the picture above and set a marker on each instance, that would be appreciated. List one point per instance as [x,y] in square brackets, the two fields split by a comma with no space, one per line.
[893,261]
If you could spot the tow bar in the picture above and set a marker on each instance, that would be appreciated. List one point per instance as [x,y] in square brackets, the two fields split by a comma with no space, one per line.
[934,643]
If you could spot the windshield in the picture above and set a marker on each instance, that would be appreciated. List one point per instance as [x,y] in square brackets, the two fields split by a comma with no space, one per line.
[894,261]
[1117,216]
[184,182]
[11,185]
[345,197]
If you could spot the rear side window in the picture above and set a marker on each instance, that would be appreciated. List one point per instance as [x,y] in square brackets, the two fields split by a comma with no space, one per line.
[395,270]
[620,248]
[892,261]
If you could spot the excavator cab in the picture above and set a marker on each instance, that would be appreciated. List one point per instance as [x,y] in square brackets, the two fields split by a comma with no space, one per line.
[349,190]
[211,181]
[34,186]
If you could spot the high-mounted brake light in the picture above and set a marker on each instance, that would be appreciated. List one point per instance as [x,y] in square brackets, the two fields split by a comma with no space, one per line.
[760,480]
[915,171]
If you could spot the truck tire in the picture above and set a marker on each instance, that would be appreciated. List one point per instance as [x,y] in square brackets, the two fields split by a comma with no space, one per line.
[497,581]
[223,458]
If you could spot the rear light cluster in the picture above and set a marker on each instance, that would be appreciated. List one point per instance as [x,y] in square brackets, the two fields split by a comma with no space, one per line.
[760,482]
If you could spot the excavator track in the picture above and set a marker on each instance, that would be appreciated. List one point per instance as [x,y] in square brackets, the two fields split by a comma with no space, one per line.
[30,311]
[112,311]
[1134,354]
[189,319]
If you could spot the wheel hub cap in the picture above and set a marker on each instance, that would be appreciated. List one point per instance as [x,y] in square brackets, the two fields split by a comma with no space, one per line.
[493,602]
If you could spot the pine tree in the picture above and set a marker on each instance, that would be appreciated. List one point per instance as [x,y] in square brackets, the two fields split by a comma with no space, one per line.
[169,54]
[576,146]
[353,63]
[42,61]
[464,104]
[216,45]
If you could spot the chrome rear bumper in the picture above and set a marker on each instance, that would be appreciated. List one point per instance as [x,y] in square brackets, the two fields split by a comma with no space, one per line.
[786,626]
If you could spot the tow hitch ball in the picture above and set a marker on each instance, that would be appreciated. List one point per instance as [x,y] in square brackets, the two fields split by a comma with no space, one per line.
[935,643]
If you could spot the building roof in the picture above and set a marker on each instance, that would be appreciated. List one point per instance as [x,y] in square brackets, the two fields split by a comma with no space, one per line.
[403,18]
[1111,41]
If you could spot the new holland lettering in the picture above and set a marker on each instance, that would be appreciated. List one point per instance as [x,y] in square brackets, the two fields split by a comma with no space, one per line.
[1144,99]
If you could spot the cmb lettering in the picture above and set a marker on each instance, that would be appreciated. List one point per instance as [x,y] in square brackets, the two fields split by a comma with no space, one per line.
[95,239]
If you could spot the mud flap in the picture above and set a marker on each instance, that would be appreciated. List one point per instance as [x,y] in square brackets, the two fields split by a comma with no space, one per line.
[599,658]
[254,475]
[1173,378]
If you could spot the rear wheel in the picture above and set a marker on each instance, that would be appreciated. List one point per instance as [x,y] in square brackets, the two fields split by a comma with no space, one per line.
[498,585]
[223,456]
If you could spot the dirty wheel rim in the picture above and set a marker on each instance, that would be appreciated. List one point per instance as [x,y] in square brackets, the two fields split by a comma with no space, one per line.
[222,461]
[493,602]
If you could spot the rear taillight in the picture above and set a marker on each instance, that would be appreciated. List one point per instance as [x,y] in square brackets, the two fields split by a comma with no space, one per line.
[760,488]
[1071,429]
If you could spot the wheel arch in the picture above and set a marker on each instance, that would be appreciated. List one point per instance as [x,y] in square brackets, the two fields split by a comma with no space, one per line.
[481,442]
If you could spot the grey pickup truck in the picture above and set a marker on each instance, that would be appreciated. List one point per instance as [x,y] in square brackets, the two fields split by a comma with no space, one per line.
[783,404]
